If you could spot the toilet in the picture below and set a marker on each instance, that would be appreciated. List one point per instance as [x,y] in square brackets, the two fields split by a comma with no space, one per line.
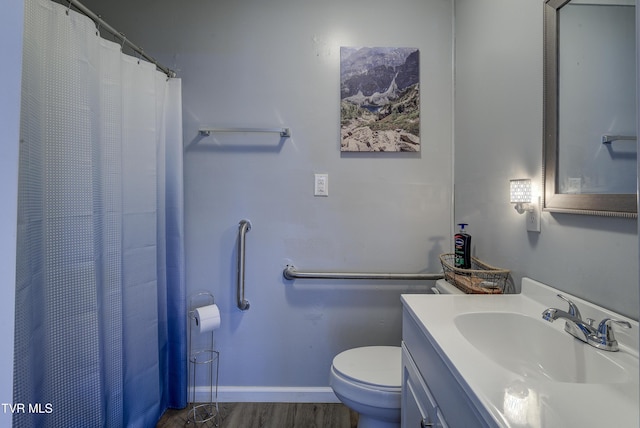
[368,380]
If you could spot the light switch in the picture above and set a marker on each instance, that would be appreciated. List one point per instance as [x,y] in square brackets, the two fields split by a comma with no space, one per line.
[321,187]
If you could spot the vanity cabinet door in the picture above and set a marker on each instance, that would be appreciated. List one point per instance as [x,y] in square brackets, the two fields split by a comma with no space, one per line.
[414,413]
[419,409]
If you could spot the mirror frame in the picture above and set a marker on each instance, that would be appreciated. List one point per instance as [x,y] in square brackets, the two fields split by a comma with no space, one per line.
[610,205]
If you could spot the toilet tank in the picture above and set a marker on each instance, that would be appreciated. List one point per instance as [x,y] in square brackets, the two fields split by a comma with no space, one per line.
[444,287]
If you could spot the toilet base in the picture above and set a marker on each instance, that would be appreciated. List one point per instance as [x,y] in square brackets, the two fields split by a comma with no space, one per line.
[365,421]
[373,417]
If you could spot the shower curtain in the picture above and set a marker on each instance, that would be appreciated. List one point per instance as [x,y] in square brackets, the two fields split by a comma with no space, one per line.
[100,296]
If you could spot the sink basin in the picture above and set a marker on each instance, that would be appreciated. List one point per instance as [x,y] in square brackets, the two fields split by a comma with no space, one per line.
[532,348]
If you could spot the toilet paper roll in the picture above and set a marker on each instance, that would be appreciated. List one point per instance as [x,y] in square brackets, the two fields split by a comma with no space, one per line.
[207,318]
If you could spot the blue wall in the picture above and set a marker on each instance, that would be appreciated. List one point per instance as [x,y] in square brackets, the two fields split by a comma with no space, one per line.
[498,136]
[259,64]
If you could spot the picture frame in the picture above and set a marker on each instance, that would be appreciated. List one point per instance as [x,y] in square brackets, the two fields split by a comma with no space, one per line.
[379,99]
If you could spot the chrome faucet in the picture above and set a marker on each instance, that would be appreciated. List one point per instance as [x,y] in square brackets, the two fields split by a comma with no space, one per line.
[601,338]
[574,324]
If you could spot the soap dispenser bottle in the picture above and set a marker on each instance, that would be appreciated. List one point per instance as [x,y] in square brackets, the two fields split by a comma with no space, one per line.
[462,248]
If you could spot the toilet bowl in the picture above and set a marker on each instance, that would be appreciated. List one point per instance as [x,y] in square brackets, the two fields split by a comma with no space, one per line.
[368,380]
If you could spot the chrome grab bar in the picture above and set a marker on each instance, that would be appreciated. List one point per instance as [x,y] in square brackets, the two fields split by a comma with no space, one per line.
[245,226]
[291,273]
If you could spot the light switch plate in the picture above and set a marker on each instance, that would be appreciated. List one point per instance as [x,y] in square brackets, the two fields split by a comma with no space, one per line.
[321,186]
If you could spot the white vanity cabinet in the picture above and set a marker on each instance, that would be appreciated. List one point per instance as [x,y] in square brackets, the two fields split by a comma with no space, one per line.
[493,361]
[431,395]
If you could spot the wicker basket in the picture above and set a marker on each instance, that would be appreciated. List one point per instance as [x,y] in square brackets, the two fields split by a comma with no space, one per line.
[480,279]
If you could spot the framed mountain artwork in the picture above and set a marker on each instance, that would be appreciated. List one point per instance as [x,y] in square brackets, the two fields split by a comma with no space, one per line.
[379,99]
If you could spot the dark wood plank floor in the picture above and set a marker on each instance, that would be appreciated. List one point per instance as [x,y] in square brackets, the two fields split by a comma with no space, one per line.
[269,415]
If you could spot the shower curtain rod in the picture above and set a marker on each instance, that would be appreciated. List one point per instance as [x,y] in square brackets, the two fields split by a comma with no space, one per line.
[102,24]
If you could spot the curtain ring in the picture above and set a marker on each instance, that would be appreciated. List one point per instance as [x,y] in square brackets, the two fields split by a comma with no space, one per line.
[123,40]
[138,54]
[98,27]
[68,8]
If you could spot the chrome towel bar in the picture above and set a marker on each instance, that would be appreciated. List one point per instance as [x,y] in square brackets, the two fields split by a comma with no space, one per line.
[291,273]
[284,132]
[245,226]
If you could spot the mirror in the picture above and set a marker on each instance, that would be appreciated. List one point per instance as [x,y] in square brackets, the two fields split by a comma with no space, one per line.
[590,156]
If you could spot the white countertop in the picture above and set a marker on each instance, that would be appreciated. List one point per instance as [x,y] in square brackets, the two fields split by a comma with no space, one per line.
[548,403]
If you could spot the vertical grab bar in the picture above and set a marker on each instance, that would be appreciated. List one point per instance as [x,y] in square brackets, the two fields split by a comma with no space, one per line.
[245,226]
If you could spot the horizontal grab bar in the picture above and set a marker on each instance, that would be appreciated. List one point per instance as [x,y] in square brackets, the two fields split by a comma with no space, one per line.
[290,273]
[284,132]
[608,139]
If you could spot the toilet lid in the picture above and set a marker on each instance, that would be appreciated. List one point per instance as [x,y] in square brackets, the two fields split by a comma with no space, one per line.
[373,365]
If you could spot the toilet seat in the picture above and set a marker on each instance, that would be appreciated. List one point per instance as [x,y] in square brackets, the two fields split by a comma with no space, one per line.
[378,366]
[371,375]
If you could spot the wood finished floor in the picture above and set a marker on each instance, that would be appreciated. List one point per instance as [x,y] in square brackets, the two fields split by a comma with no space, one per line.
[269,415]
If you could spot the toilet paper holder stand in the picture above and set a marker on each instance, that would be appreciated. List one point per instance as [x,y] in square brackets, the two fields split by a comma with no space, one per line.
[202,356]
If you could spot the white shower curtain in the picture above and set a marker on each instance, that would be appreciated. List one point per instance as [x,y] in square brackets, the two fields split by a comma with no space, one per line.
[100,305]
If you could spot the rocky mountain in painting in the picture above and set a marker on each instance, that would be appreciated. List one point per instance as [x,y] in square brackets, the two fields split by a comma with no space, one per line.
[367,71]
[394,127]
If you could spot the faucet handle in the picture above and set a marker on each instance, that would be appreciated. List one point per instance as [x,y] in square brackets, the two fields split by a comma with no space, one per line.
[573,309]
[605,339]
[605,329]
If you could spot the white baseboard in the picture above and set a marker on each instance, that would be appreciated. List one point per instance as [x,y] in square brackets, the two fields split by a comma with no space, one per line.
[268,394]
